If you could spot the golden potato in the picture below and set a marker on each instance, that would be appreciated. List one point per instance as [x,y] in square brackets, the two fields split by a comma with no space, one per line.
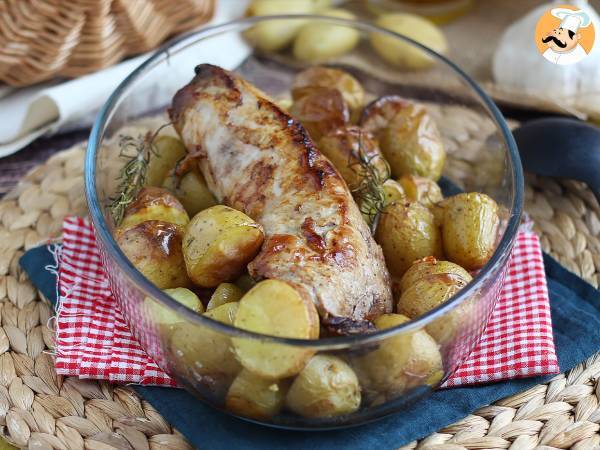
[154,203]
[422,190]
[326,387]
[402,361]
[412,144]
[191,190]
[394,193]
[407,232]
[275,308]
[429,265]
[470,229]
[378,114]
[225,293]
[218,244]
[167,317]
[253,396]
[318,41]
[168,150]
[401,53]
[350,149]
[202,351]
[274,35]
[318,76]
[320,110]
[154,248]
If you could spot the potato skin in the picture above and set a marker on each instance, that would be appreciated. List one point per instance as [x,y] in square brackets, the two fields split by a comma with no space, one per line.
[154,248]
[320,110]
[218,244]
[253,396]
[400,53]
[154,203]
[166,317]
[204,352]
[421,189]
[275,308]
[412,144]
[378,114]
[407,232]
[320,41]
[191,190]
[168,151]
[327,77]
[431,266]
[225,293]
[326,387]
[470,229]
[402,361]
[347,147]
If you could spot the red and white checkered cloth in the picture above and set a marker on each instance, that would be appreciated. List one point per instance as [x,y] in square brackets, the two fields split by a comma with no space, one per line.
[93,340]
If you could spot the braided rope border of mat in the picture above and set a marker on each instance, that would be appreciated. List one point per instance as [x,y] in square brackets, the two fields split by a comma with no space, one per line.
[39,409]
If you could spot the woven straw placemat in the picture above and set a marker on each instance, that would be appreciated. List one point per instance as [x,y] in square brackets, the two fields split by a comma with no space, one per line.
[42,410]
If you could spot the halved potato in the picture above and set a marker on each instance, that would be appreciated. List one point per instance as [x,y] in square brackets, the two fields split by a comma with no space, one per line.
[154,248]
[218,244]
[407,232]
[168,150]
[191,190]
[154,203]
[401,361]
[421,189]
[225,293]
[394,193]
[204,351]
[470,229]
[166,317]
[275,308]
[319,76]
[326,387]
[320,110]
[253,396]
[350,149]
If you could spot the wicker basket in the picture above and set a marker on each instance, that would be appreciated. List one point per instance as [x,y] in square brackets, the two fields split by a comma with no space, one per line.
[42,39]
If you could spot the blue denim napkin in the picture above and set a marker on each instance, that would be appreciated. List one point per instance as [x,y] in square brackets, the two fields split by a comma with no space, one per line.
[575,309]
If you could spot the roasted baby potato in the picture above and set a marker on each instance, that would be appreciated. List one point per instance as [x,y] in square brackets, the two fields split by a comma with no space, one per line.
[394,192]
[378,114]
[204,351]
[167,317]
[320,110]
[274,35]
[402,361]
[275,308]
[350,149]
[317,41]
[218,244]
[191,190]
[412,144]
[407,232]
[225,293]
[469,229]
[326,387]
[428,266]
[318,76]
[400,53]
[167,151]
[422,190]
[253,396]
[154,203]
[154,248]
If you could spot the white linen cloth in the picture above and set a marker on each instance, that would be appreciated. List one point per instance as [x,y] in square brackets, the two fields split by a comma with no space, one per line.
[28,113]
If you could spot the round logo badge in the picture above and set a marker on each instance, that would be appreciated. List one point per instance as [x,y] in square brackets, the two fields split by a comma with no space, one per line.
[565,34]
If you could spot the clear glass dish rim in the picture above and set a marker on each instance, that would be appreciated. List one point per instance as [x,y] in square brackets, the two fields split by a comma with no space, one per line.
[499,257]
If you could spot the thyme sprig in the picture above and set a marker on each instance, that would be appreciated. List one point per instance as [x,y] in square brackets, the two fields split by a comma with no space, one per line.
[137,151]
[369,194]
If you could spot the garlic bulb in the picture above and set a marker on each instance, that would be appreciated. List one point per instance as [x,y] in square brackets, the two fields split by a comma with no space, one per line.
[518,64]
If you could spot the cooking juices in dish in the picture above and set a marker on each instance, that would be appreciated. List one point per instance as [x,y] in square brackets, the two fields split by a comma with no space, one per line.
[319,220]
